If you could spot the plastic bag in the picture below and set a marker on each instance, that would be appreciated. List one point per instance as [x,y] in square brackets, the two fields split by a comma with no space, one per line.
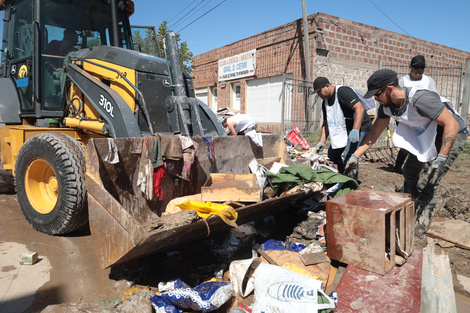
[204,210]
[278,290]
[206,297]
[295,137]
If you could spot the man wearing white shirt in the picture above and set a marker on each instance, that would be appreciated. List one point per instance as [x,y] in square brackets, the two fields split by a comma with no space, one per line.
[416,78]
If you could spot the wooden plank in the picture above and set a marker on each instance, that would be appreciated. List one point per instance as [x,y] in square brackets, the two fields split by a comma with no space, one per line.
[222,187]
[314,258]
[285,257]
[454,231]
[437,287]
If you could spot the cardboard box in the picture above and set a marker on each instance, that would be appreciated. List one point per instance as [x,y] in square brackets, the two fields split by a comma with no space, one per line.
[29,258]
[222,187]
[268,162]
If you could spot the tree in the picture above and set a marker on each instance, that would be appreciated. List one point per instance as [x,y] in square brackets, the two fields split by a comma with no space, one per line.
[186,56]
[145,44]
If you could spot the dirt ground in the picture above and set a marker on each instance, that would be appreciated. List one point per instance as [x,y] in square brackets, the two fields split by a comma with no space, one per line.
[453,202]
[76,275]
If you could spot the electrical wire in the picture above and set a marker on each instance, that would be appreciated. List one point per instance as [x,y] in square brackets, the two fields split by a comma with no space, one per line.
[187,13]
[184,8]
[390,19]
[430,47]
[173,15]
[202,7]
[461,44]
[201,16]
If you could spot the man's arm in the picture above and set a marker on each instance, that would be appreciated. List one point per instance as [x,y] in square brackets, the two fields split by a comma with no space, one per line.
[367,142]
[231,127]
[324,132]
[451,128]
[358,109]
[379,125]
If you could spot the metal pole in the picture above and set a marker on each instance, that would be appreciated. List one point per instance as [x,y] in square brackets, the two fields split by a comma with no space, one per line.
[307,46]
[466,91]
[283,105]
[176,70]
[115,23]
[308,77]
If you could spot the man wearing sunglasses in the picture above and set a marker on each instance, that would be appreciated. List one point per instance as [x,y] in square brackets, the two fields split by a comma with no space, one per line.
[345,120]
[416,78]
[419,112]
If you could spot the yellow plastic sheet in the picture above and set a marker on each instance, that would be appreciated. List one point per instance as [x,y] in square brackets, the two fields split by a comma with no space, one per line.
[204,210]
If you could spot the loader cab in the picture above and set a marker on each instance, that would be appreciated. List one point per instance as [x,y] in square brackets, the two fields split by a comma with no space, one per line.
[38,37]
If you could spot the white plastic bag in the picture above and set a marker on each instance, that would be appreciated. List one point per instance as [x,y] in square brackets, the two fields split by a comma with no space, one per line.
[279,290]
[237,275]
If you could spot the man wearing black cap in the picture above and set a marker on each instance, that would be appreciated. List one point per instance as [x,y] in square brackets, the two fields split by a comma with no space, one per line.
[419,112]
[344,119]
[416,78]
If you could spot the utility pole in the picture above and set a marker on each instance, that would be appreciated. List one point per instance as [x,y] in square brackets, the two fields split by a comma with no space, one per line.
[308,76]
[466,92]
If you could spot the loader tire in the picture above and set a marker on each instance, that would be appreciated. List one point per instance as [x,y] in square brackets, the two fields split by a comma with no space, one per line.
[50,183]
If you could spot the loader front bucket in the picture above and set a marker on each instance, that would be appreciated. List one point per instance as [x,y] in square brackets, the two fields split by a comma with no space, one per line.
[125,225]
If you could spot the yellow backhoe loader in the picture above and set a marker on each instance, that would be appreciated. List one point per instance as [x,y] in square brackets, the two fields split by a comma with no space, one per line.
[73,91]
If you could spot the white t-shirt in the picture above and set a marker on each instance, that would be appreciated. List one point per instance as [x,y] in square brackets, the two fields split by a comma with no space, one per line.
[242,122]
[426,82]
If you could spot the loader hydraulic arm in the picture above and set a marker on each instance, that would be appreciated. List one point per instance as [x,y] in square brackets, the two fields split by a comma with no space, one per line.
[119,118]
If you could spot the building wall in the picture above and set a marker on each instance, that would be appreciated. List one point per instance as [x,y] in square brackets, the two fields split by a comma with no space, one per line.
[345,51]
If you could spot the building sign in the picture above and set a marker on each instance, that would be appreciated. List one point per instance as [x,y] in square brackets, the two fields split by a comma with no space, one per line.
[238,66]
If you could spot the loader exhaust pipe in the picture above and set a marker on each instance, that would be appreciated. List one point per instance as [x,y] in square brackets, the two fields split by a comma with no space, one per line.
[176,70]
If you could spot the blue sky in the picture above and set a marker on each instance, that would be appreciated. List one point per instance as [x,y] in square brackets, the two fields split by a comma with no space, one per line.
[446,23]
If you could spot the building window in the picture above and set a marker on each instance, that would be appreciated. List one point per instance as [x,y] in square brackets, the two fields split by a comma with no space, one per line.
[214,99]
[236,96]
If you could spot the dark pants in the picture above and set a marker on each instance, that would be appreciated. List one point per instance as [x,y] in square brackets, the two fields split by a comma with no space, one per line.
[335,154]
[416,182]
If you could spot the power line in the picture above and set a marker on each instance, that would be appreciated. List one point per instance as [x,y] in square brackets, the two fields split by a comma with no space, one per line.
[202,15]
[184,8]
[202,7]
[390,18]
[461,44]
[430,47]
[188,13]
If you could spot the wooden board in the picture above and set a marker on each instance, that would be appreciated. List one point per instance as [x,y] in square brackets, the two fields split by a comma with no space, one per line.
[222,187]
[282,257]
[454,231]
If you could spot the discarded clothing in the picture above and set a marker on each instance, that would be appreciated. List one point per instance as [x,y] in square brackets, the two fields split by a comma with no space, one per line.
[145,175]
[158,175]
[205,297]
[204,210]
[171,147]
[272,244]
[189,151]
[155,151]
[210,147]
[300,174]
[112,157]
[257,138]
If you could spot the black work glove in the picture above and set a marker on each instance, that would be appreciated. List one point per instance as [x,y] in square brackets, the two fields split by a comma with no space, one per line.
[351,165]
[437,169]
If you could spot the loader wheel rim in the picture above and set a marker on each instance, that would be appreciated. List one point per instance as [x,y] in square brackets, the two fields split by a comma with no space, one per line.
[41,186]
